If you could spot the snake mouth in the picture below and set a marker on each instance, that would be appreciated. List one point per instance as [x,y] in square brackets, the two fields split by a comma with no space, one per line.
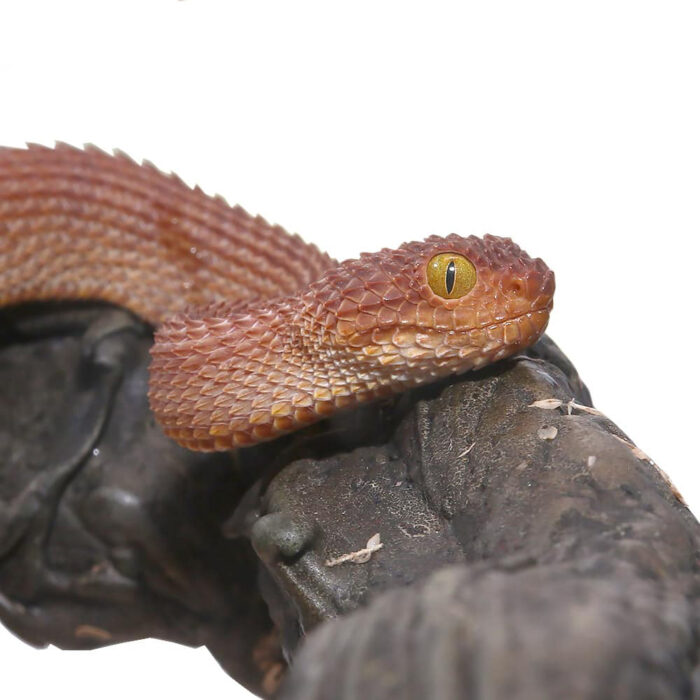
[496,341]
[539,317]
[524,329]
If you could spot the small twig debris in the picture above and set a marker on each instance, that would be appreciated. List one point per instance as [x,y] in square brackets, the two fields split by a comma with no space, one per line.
[568,406]
[361,556]
[465,452]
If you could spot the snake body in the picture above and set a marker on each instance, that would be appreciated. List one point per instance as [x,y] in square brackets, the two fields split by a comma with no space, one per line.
[258,333]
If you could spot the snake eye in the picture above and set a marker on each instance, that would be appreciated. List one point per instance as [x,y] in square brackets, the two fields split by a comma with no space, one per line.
[451,275]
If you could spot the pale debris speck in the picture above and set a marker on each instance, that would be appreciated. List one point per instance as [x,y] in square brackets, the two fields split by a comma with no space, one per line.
[92,632]
[547,404]
[466,451]
[592,459]
[361,556]
[568,406]
[547,432]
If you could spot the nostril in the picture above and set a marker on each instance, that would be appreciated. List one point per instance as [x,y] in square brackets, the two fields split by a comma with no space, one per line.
[514,287]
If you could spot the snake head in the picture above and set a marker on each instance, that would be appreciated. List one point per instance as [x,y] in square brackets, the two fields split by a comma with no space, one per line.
[227,376]
[431,308]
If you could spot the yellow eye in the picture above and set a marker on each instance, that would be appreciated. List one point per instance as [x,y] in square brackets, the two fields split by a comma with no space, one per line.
[451,275]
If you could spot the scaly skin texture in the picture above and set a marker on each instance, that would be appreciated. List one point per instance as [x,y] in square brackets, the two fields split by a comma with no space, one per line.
[283,336]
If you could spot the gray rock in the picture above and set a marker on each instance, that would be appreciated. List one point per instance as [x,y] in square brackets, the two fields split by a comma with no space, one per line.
[526,552]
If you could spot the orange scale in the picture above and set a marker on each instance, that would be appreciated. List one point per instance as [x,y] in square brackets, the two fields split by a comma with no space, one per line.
[387,317]
[238,422]
[526,327]
[251,379]
[404,339]
[263,432]
[219,415]
[189,394]
[283,424]
[495,333]
[444,318]
[478,337]
[213,444]
[304,415]
[511,333]
[324,408]
[279,391]
[372,350]
[424,314]
[207,344]
[280,409]
[359,340]
[444,351]
[340,390]
[464,317]
[382,336]
[225,399]
[260,400]
[457,340]
[220,355]
[246,348]
[193,361]
[370,301]
[223,327]
[345,328]
[347,310]
[354,289]
[210,389]
[259,418]
[468,352]
[345,401]
[182,421]
[204,403]
[203,433]
[268,337]
[365,321]
[395,304]
[377,284]
[376,279]
[241,439]
[176,348]
[301,400]
[429,340]
[210,371]
[484,316]
[195,332]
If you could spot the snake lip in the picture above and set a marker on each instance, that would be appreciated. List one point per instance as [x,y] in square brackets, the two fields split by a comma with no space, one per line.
[547,307]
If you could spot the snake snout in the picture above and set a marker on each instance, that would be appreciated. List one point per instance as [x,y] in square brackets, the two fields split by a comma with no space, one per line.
[540,285]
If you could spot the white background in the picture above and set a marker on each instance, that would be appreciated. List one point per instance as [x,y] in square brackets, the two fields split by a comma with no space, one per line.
[572,127]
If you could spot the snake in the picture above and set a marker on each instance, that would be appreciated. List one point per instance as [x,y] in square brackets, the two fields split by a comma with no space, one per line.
[257,333]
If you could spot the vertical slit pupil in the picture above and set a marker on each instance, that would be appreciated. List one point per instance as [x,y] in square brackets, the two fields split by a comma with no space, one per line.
[450,275]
